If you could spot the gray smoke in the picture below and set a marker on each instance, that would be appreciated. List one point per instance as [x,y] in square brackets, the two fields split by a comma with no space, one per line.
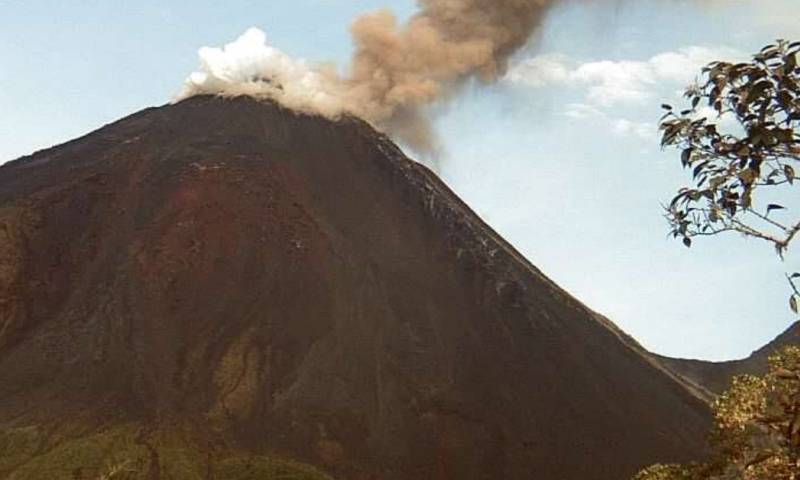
[397,69]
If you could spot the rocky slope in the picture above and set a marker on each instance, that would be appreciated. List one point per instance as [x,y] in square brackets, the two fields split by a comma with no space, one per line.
[226,289]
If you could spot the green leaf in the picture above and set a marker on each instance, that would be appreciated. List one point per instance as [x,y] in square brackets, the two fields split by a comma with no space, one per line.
[785,135]
[743,151]
[758,90]
[775,206]
[748,176]
[699,169]
[687,241]
[791,62]
[793,303]
[686,156]
[788,170]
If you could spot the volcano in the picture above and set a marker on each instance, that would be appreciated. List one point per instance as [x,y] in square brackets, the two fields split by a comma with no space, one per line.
[223,289]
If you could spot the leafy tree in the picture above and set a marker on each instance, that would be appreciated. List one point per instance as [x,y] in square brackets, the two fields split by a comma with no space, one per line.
[740,139]
[756,434]
[744,162]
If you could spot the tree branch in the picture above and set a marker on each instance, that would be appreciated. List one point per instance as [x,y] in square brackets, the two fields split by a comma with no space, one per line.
[767,219]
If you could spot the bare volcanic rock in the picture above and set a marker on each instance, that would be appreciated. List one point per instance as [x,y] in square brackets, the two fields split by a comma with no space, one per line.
[222,287]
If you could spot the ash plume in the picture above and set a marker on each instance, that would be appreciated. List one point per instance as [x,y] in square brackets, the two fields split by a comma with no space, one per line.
[397,70]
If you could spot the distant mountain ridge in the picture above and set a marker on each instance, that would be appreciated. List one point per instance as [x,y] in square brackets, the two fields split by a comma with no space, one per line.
[715,377]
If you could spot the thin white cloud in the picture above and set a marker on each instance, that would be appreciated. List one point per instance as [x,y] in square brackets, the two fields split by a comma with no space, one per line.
[682,66]
[622,127]
[611,82]
[617,92]
[625,128]
[541,71]
[580,111]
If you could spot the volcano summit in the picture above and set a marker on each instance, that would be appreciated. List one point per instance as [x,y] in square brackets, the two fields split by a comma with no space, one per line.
[223,289]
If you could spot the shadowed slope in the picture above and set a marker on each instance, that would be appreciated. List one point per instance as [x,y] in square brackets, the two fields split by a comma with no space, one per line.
[288,284]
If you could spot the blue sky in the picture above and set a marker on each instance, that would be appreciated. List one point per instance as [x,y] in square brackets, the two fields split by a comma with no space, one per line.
[561,156]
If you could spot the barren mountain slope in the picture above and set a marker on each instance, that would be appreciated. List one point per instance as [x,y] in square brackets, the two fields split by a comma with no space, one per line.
[206,288]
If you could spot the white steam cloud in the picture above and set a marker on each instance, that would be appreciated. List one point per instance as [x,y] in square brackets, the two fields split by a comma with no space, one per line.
[396,72]
[249,66]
